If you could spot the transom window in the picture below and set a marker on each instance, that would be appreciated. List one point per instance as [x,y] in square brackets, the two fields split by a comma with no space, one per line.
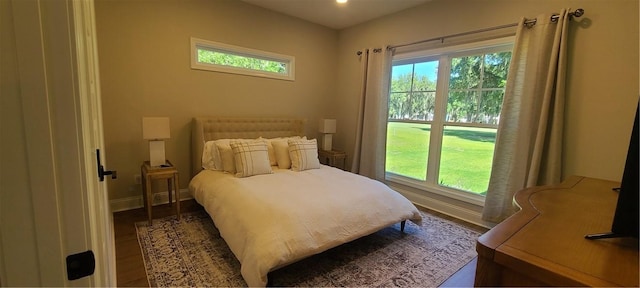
[444,110]
[220,57]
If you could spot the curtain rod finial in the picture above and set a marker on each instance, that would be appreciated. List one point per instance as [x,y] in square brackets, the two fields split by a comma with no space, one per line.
[579,12]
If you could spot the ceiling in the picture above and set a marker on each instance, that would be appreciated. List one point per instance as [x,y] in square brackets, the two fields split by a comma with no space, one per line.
[336,15]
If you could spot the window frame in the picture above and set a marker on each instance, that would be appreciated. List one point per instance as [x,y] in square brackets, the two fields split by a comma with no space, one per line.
[438,124]
[201,44]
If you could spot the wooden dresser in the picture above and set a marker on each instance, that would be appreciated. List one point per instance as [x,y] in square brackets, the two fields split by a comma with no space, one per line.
[544,245]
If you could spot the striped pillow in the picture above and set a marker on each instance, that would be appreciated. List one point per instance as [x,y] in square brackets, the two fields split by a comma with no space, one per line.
[303,154]
[251,158]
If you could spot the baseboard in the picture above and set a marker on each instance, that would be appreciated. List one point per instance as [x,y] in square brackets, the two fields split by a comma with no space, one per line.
[128,203]
[462,213]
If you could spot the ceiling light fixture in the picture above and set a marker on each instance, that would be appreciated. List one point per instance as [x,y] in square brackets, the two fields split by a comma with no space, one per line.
[341,1]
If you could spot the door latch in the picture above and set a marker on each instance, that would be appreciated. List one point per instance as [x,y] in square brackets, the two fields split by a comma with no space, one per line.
[102,172]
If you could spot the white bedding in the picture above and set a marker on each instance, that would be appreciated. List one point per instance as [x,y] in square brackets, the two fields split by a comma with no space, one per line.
[273,220]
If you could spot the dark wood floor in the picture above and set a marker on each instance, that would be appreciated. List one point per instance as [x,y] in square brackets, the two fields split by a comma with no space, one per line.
[129,264]
[130,267]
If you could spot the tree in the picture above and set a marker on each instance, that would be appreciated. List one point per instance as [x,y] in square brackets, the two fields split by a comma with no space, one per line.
[411,97]
[476,87]
[219,58]
[476,90]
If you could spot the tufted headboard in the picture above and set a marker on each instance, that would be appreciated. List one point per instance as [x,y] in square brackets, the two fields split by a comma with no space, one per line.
[205,129]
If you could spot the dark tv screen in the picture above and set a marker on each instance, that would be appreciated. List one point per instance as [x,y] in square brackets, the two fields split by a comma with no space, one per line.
[625,220]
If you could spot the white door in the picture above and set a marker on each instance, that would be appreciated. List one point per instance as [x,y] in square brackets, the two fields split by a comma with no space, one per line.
[52,203]
[101,217]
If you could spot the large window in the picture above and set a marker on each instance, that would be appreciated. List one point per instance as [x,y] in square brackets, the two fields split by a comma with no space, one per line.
[214,56]
[444,110]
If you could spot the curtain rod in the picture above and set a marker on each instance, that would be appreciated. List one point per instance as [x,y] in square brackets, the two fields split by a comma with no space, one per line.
[579,12]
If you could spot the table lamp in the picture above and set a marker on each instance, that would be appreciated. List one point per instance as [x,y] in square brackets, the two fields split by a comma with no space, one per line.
[156,129]
[327,127]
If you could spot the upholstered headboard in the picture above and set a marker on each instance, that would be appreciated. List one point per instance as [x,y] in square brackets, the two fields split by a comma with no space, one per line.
[211,128]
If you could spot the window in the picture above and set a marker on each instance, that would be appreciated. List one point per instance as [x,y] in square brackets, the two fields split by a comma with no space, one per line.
[444,110]
[214,56]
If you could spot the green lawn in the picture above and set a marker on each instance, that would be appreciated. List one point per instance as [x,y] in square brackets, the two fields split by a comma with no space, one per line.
[466,157]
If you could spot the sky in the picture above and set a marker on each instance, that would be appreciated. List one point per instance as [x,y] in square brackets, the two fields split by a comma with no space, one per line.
[429,69]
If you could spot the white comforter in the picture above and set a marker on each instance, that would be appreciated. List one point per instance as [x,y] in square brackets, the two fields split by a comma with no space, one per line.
[273,220]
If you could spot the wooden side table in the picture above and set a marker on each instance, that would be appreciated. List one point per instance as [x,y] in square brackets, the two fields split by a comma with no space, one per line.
[149,174]
[332,158]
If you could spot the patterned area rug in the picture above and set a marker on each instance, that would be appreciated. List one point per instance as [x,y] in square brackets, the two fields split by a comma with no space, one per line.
[192,253]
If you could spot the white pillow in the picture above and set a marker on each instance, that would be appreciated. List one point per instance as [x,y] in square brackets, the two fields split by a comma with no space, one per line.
[304,154]
[211,156]
[272,153]
[251,158]
[226,158]
[207,155]
[281,151]
[217,153]
[223,156]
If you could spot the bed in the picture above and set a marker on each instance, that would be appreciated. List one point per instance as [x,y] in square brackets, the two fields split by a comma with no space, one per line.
[273,218]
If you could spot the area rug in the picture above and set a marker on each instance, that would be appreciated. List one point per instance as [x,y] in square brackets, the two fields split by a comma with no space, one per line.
[191,253]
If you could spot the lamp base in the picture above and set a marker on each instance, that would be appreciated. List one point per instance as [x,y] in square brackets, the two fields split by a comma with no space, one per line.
[326,142]
[156,153]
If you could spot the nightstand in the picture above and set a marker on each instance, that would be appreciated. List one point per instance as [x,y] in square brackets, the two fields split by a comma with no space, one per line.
[168,172]
[333,158]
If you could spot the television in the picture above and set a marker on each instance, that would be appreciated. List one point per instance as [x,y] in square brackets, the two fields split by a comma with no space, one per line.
[625,219]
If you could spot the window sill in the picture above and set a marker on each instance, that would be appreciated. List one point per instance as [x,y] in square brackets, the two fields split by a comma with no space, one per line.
[438,200]
[459,195]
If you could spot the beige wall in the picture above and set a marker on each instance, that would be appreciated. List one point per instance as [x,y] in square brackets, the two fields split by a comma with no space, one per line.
[144,66]
[145,71]
[602,79]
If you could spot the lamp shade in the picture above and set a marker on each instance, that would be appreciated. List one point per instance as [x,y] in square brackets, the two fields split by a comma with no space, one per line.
[327,126]
[154,128]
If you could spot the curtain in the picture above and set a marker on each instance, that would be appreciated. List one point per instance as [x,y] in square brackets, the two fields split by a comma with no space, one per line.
[369,152]
[528,148]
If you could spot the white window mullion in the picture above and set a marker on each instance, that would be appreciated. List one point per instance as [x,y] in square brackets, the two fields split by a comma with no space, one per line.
[437,126]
